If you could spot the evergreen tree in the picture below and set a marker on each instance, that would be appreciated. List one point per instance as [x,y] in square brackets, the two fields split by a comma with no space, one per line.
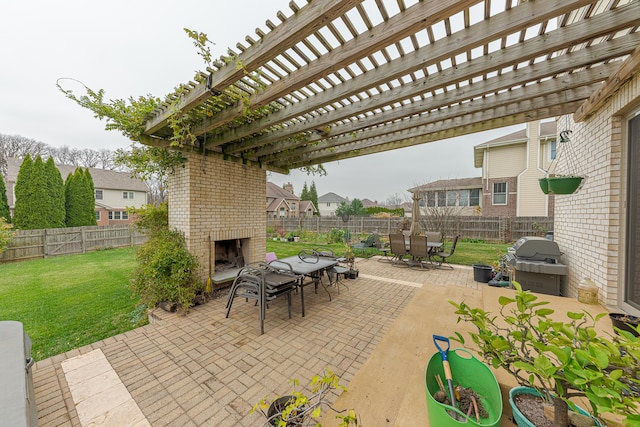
[56,195]
[90,199]
[5,212]
[313,195]
[23,193]
[32,199]
[80,202]
[305,192]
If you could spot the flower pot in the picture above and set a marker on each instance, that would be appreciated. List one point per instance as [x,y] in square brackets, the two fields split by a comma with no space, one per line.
[520,419]
[276,407]
[467,371]
[482,273]
[564,184]
[544,185]
[625,322]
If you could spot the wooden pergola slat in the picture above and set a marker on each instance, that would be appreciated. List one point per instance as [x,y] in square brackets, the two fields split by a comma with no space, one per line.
[345,78]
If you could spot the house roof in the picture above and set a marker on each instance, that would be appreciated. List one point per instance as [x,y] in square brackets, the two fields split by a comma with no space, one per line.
[547,130]
[102,178]
[450,184]
[277,192]
[331,198]
[332,80]
[306,204]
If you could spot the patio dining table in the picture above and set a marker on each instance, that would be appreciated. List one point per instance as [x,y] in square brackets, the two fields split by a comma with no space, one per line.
[312,267]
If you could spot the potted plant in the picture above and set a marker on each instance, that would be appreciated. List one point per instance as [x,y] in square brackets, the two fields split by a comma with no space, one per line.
[282,233]
[559,360]
[299,409]
[350,260]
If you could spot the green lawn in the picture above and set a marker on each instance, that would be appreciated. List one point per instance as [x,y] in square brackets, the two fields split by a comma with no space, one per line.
[71,301]
[466,253]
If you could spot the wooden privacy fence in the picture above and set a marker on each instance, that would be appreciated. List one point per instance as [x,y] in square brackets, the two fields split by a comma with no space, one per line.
[498,229]
[30,244]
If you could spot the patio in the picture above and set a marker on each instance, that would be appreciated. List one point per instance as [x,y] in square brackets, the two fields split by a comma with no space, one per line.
[205,370]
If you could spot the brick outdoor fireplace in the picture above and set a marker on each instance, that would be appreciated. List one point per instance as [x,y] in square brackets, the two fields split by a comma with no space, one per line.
[220,207]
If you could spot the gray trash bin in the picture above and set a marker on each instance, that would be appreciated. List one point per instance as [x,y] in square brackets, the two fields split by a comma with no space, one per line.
[17,397]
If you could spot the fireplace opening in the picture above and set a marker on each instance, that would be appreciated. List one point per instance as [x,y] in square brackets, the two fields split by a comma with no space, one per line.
[229,254]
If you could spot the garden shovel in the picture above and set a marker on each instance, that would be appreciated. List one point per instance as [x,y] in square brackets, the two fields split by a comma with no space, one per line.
[444,353]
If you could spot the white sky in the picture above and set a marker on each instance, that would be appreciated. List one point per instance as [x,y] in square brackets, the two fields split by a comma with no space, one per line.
[138,47]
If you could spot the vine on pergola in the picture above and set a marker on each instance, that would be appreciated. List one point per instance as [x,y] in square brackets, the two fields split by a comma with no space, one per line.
[129,116]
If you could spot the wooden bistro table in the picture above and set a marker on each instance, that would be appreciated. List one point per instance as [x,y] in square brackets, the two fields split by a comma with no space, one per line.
[307,266]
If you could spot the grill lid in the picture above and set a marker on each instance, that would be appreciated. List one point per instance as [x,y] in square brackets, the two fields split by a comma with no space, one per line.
[536,248]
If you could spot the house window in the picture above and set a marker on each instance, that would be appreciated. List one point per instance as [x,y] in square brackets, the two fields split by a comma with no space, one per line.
[553,150]
[329,204]
[499,193]
[431,199]
[117,215]
[464,198]
[97,215]
[293,207]
[127,195]
[281,212]
[452,198]
[475,197]
[442,198]
[98,194]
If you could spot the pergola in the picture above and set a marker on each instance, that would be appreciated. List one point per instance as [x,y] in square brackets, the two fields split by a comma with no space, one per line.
[345,78]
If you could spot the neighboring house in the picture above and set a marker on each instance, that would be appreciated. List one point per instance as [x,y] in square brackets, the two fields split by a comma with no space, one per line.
[462,193]
[511,166]
[114,191]
[282,203]
[368,203]
[328,203]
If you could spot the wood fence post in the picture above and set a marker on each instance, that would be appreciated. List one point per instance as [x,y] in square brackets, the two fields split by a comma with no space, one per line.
[82,240]
[44,244]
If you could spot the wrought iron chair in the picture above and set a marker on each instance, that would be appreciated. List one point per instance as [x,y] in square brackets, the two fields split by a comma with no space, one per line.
[384,249]
[441,256]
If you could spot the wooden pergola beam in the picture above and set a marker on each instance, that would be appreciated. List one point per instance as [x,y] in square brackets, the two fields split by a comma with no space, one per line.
[308,20]
[467,39]
[549,93]
[500,25]
[626,71]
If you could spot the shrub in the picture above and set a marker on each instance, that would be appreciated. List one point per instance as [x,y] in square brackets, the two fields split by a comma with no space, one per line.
[166,271]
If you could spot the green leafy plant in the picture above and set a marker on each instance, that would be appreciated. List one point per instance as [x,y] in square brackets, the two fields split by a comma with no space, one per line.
[299,409]
[6,234]
[166,270]
[560,359]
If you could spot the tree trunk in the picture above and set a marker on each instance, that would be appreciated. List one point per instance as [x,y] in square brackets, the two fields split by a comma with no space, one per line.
[560,413]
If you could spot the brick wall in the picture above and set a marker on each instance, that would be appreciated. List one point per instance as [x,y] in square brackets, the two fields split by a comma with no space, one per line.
[221,199]
[508,210]
[589,223]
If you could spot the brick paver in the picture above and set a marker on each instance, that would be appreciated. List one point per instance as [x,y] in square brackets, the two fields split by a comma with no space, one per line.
[205,370]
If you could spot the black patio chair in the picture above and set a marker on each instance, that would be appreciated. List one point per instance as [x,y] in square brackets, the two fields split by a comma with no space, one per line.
[381,248]
[441,256]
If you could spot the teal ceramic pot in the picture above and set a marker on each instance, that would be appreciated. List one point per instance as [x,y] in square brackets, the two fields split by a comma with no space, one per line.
[520,419]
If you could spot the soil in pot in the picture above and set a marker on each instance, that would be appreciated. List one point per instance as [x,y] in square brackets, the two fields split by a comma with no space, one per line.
[625,322]
[532,408]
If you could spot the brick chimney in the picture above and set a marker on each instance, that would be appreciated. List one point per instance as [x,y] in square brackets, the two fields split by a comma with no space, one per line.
[289,187]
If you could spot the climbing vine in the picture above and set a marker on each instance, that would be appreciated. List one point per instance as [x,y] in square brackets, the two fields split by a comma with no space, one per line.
[129,116]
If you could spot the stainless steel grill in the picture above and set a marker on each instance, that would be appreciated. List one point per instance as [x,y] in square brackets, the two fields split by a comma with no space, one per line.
[534,262]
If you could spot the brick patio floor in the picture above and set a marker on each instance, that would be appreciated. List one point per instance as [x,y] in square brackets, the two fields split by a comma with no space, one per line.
[205,370]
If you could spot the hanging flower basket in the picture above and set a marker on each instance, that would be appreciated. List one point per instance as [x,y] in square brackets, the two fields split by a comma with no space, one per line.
[564,184]
[544,185]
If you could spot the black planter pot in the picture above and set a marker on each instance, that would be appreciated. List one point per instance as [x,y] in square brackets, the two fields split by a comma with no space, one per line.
[277,406]
[625,322]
